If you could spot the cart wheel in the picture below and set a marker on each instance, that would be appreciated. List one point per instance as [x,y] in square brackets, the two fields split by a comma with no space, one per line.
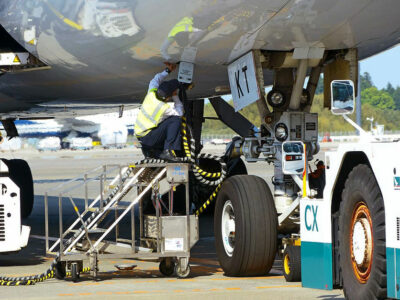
[182,273]
[60,270]
[75,272]
[165,268]
[292,263]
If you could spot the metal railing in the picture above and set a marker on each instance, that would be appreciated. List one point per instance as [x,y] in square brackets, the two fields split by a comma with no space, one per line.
[94,184]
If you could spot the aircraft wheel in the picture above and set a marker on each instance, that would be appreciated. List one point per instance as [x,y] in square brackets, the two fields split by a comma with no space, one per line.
[292,263]
[362,248]
[245,226]
[167,267]
[20,173]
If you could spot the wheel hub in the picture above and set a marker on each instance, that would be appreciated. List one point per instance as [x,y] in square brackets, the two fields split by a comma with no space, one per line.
[286,264]
[228,228]
[361,242]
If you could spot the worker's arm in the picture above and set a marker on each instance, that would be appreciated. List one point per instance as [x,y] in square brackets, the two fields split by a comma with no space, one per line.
[316,173]
[178,106]
[156,81]
[175,109]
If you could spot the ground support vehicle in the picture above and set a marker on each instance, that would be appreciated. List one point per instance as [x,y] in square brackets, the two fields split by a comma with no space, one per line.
[96,234]
[13,235]
[348,230]
[351,235]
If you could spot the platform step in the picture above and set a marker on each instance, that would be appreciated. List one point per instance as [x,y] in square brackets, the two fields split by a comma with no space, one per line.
[118,207]
[97,230]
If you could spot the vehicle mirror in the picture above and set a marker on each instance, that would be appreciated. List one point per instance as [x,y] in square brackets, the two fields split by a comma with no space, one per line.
[342,97]
[293,158]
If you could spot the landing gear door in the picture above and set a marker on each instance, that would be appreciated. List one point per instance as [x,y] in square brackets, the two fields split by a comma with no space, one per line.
[243,81]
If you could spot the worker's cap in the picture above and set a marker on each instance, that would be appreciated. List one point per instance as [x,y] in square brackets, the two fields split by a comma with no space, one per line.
[320,163]
[166,88]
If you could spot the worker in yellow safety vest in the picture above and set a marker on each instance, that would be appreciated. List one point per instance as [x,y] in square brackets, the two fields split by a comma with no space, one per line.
[158,124]
[179,34]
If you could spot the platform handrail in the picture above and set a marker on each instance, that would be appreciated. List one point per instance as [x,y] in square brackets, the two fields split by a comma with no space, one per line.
[116,198]
[133,203]
[91,205]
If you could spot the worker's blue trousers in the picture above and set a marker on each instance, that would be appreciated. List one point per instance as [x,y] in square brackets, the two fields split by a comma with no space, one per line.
[166,136]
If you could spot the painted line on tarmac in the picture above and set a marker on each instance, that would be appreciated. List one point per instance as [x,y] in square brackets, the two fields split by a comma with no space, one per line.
[158,280]
[279,286]
[106,293]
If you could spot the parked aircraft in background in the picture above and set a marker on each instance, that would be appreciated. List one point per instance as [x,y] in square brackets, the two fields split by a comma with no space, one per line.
[109,129]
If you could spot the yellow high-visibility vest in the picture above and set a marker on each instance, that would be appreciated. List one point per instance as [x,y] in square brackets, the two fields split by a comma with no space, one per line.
[150,114]
[184,25]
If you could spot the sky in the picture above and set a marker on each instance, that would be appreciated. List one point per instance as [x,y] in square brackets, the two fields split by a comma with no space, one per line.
[383,67]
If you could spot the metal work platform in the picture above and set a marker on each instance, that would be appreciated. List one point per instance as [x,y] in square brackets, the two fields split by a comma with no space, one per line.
[123,192]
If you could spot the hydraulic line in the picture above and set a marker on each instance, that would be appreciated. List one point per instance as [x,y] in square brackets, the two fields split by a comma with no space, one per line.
[200,175]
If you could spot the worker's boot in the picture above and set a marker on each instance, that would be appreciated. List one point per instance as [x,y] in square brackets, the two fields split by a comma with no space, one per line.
[168,155]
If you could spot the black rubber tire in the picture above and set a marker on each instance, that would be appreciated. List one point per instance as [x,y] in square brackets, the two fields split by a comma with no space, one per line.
[255,226]
[20,173]
[165,270]
[361,186]
[60,270]
[269,99]
[180,273]
[293,253]
[75,272]
[234,167]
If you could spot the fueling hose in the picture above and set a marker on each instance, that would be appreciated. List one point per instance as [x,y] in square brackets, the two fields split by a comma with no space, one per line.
[202,176]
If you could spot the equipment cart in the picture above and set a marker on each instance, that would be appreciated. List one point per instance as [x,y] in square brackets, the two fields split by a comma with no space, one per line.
[95,234]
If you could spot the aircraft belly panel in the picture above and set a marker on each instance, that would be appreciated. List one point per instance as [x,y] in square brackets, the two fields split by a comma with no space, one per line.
[108,50]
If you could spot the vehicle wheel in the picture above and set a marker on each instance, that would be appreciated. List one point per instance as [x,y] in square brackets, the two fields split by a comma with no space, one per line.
[20,173]
[75,272]
[292,263]
[276,98]
[60,270]
[245,226]
[362,236]
[182,273]
[167,267]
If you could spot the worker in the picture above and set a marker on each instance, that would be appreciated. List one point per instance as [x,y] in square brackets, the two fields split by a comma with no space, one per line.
[317,179]
[180,34]
[158,125]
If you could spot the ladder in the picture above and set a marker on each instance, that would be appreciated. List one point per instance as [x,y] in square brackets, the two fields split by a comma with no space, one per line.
[89,235]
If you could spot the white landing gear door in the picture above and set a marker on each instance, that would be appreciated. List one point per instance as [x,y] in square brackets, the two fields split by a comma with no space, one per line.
[243,81]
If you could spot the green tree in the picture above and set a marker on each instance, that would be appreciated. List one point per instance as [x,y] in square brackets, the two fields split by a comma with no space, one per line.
[390,89]
[366,81]
[396,97]
[377,98]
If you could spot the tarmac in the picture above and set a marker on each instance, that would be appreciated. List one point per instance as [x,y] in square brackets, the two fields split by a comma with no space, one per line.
[206,281]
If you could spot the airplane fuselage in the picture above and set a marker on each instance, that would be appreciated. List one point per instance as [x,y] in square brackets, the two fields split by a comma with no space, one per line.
[104,53]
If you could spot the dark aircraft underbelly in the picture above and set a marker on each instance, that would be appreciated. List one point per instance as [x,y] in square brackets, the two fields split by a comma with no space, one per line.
[108,51]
